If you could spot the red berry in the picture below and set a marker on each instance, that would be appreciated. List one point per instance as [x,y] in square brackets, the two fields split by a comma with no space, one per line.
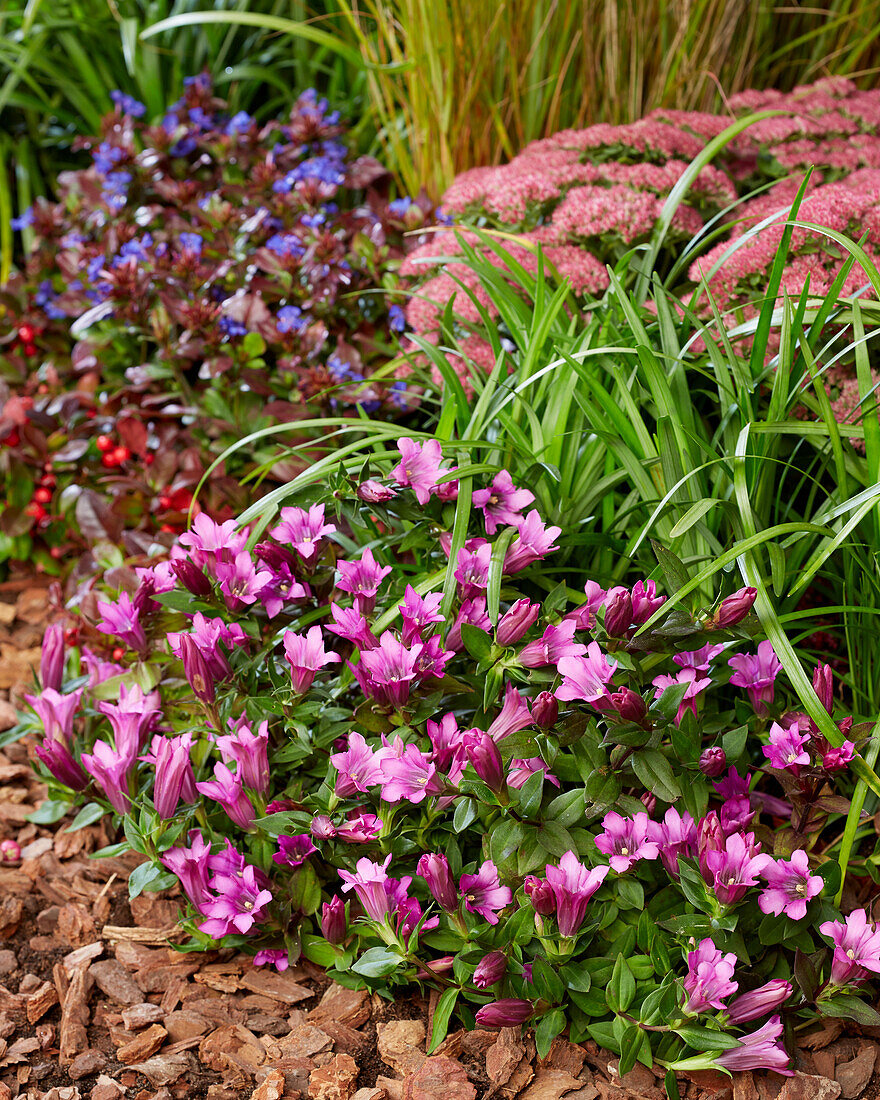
[55,552]
[37,511]
[169,528]
[164,502]
[91,414]
[108,460]
[26,333]
[13,439]
[31,349]
[104,443]
[71,635]
[149,460]
[118,653]
[10,851]
[49,481]
[121,454]
[42,496]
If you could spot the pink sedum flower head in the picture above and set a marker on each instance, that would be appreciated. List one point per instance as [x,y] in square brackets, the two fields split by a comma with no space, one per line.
[306,656]
[419,467]
[534,542]
[626,840]
[786,750]
[358,767]
[587,678]
[304,530]
[501,503]
[757,674]
[293,851]
[483,893]
[762,1049]
[708,981]
[556,642]
[789,886]
[573,885]
[418,613]
[56,711]
[856,948]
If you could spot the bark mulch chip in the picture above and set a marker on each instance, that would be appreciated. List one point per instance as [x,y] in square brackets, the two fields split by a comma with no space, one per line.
[96,1005]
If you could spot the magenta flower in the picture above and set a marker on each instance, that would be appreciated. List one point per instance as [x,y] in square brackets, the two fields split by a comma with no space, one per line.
[838,757]
[630,706]
[191,577]
[545,710]
[515,623]
[434,869]
[708,981]
[410,776]
[485,759]
[626,840]
[321,827]
[210,542]
[713,761]
[585,615]
[281,589]
[111,770]
[419,467]
[521,770]
[100,670]
[249,751]
[333,923]
[362,579]
[174,781]
[358,767]
[446,740]
[196,669]
[433,659]
[676,836]
[304,530]
[736,803]
[490,969]
[122,619]
[472,573]
[58,759]
[573,886]
[645,601]
[350,624]
[293,851]
[856,947]
[207,635]
[240,581]
[534,542]
[556,642]
[52,658]
[419,612]
[760,1050]
[306,655]
[473,612]
[786,749]
[502,503]
[407,917]
[696,686]
[733,869]
[764,999]
[541,894]
[618,613]
[735,608]
[513,716]
[586,677]
[390,669]
[505,1013]
[56,712]
[699,659]
[374,492]
[227,789]
[241,905]
[789,886]
[823,685]
[359,828]
[270,956]
[369,883]
[757,674]
[483,893]
[191,867]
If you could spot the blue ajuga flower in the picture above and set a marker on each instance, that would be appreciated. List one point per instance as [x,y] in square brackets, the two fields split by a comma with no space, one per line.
[133,250]
[396,318]
[115,190]
[127,104]
[232,328]
[239,122]
[44,299]
[24,219]
[106,157]
[400,206]
[291,319]
[285,244]
[192,242]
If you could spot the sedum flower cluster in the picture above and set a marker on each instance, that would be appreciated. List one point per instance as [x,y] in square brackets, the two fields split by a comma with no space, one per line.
[368,732]
[206,275]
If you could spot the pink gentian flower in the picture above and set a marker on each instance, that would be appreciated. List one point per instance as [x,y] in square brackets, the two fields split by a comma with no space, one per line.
[856,947]
[573,885]
[306,655]
[708,981]
[626,840]
[483,893]
[502,502]
[757,674]
[419,467]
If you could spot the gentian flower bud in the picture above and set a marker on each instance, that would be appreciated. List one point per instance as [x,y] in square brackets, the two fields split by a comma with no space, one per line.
[277,558]
[250,751]
[540,894]
[759,1002]
[10,851]
[506,1013]
[545,710]
[490,970]
[713,761]
[629,705]
[333,926]
[434,869]
[823,685]
[196,669]
[174,775]
[618,612]
[57,758]
[191,577]
[649,801]
[485,757]
[52,657]
[516,622]
[734,609]
[374,492]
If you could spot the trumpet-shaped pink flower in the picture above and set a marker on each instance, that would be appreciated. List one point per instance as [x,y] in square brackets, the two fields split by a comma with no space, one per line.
[174,781]
[241,905]
[419,612]
[434,869]
[369,884]
[733,869]
[736,803]
[516,621]
[762,1049]
[362,579]
[483,893]
[293,851]
[359,828]
[390,669]
[56,712]
[587,677]
[190,864]
[676,836]
[240,581]
[505,1013]
[708,980]
[274,957]
[760,1001]
[699,659]
[411,776]
[304,530]
[122,619]
[473,612]
[534,542]
[472,573]
[735,608]
[52,658]
[227,789]
[626,840]
[358,767]
[585,615]
[485,759]
[132,718]
[210,542]
[282,588]
[333,922]
[501,503]
[786,750]
[306,655]
[111,770]
[350,624]
[556,642]
[789,886]
[573,885]
[856,947]
[757,674]
[522,770]
[249,751]
[58,759]
[490,969]
[645,601]
[419,467]
[838,757]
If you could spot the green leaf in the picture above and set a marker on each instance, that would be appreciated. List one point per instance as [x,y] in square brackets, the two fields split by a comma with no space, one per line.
[150,877]
[317,950]
[547,1028]
[465,814]
[622,987]
[88,815]
[846,1007]
[49,812]
[655,771]
[477,642]
[442,1013]
[530,795]
[632,1048]
[704,1038]
[377,962]
[734,743]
